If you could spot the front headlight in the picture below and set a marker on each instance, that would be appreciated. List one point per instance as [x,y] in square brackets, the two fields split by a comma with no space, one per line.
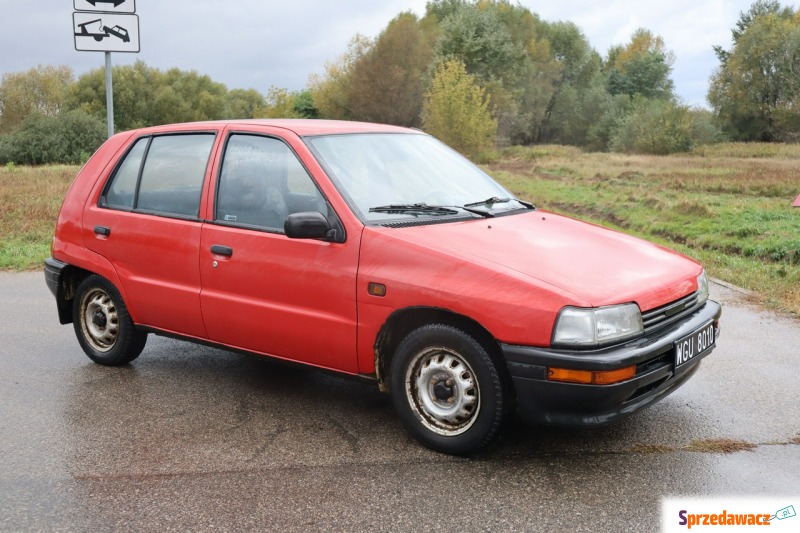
[702,288]
[578,326]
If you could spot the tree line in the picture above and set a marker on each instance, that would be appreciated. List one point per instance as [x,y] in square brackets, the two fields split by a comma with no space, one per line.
[48,116]
[476,73]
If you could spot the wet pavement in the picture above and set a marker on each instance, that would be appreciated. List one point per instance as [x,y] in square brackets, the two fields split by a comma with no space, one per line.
[193,438]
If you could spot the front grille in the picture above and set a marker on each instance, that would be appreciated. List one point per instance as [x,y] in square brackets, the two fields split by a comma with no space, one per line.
[669,313]
[656,363]
[641,391]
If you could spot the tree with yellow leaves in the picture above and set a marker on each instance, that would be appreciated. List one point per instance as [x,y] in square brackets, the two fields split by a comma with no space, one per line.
[456,110]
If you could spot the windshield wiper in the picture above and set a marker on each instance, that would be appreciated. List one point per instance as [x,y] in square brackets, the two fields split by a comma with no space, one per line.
[489,201]
[421,208]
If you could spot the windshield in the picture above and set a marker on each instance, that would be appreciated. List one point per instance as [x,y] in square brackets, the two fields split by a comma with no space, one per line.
[401,175]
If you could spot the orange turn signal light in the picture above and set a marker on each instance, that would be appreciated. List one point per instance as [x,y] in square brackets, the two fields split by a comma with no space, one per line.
[376,289]
[591,377]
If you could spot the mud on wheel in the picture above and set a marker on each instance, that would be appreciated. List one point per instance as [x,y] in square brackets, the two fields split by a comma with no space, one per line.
[102,324]
[448,390]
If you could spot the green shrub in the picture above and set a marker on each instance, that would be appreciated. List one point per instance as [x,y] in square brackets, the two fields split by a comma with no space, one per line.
[705,129]
[656,127]
[602,132]
[44,139]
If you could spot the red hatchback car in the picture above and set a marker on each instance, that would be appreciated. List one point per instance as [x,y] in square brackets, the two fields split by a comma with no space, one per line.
[378,252]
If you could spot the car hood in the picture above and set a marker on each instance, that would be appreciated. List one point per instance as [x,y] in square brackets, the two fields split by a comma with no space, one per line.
[596,265]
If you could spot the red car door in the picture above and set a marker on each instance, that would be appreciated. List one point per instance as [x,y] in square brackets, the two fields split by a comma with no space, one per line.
[265,292]
[146,222]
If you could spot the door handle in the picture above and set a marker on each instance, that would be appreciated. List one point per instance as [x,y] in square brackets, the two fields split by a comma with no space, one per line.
[222,250]
[102,230]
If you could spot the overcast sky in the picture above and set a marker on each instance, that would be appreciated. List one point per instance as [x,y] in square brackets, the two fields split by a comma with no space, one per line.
[257,43]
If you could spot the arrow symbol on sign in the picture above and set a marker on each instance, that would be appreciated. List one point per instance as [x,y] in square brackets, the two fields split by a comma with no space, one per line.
[115,2]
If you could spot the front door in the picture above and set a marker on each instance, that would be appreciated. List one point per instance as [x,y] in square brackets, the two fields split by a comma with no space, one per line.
[264,292]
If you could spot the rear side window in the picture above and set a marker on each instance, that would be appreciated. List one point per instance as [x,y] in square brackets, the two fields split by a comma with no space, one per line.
[162,174]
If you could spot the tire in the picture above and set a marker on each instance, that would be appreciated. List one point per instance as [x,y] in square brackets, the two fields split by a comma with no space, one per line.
[102,324]
[448,391]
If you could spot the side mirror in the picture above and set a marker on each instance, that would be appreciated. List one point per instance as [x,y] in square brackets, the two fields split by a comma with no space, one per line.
[309,225]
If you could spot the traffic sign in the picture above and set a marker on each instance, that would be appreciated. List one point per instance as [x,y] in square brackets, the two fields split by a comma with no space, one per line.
[107,6]
[106,32]
[106,26]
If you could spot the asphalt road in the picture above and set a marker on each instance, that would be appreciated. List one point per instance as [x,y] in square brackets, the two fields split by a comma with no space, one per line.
[192,438]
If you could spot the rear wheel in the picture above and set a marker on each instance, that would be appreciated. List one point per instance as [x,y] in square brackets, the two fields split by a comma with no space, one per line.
[102,324]
[447,390]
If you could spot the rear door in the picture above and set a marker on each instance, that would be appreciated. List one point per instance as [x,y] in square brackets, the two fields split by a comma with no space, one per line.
[146,223]
[289,298]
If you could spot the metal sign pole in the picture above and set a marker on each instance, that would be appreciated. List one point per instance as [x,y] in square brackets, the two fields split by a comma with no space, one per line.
[109,97]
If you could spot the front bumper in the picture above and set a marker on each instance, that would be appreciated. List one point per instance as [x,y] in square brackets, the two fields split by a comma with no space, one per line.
[579,405]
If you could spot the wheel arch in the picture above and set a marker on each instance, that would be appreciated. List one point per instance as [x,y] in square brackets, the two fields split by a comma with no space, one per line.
[78,266]
[403,321]
[71,277]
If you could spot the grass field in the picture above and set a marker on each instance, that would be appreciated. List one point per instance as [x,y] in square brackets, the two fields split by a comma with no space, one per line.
[30,198]
[728,205]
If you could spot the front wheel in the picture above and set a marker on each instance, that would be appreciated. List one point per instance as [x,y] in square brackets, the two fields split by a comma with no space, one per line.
[102,324]
[448,391]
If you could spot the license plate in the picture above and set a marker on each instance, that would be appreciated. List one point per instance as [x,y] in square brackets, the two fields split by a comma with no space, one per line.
[691,346]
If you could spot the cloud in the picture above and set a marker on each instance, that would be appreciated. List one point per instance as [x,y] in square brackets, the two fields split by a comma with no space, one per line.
[252,43]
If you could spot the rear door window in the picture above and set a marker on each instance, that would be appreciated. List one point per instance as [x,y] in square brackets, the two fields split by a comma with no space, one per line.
[162,174]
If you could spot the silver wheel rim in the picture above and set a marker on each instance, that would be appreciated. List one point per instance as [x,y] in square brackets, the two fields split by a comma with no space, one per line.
[442,389]
[99,320]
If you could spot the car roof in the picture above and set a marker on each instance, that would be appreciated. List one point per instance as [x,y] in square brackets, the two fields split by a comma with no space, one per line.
[301,127]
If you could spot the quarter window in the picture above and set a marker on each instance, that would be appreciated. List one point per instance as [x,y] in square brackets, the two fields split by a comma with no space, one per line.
[122,191]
